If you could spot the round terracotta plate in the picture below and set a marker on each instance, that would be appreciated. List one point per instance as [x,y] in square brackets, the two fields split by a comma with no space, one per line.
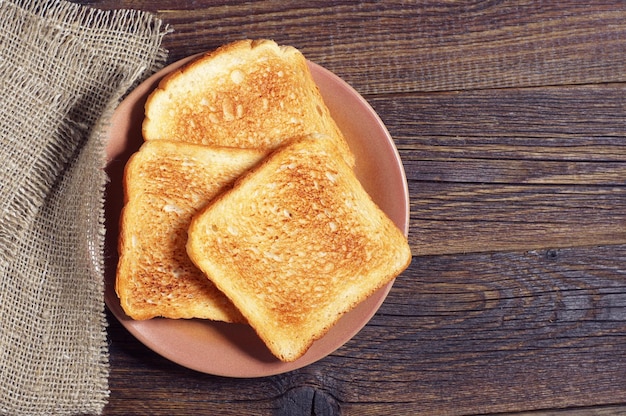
[234,350]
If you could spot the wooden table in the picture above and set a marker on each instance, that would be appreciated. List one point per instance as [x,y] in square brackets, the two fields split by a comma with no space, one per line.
[510,118]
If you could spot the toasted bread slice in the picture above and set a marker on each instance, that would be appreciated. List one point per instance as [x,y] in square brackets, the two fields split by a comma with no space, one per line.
[296,243]
[166,183]
[246,94]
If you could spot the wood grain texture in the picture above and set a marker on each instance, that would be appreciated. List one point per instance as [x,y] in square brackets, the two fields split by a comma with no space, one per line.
[584,411]
[460,334]
[512,169]
[401,46]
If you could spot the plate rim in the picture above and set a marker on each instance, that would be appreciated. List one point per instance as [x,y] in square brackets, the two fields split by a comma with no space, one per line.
[136,328]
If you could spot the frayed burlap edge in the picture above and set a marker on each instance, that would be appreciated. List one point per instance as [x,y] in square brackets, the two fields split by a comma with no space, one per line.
[53,348]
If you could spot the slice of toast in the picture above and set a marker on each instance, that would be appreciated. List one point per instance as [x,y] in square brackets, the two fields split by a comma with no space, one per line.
[296,243]
[165,184]
[246,94]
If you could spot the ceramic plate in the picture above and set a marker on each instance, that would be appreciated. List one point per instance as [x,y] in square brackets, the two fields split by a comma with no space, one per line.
[234,350]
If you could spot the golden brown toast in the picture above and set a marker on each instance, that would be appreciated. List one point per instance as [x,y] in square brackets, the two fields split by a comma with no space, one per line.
[165,184]
[296,243]
[246,94]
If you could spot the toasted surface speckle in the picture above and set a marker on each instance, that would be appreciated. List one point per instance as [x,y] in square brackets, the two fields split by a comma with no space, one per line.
[166,183]
[247,94]
[309,245]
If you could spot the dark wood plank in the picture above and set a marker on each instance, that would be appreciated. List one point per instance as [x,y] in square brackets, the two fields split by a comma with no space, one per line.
[461,334]
[144,383]
[392,46]
[495,332]
[451,218]
[512,169]
[576,123]
[609,410]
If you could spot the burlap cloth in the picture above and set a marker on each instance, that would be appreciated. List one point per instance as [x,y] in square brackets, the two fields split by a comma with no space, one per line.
[63,70]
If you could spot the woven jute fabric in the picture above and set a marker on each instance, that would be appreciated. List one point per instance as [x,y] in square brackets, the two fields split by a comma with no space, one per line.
[63,70]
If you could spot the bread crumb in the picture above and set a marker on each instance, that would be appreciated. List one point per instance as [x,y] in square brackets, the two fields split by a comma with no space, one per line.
[237,76]
[272,256]
[173,208]
[228,110]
